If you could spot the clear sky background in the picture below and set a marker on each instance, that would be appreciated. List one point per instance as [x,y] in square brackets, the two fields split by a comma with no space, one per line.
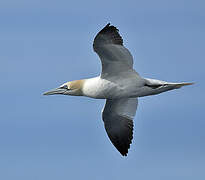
[45,43]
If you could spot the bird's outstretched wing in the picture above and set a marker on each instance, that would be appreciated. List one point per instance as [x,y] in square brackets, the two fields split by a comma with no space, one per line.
[115,58]
[118,117]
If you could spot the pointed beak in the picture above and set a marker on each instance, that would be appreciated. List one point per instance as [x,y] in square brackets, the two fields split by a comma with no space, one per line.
[55,91]
[179,85]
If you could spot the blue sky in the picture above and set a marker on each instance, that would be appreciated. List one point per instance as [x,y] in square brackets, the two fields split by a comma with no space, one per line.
[46,43]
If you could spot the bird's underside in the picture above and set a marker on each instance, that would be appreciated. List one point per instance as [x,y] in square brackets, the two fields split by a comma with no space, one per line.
[117,66]
[119,84]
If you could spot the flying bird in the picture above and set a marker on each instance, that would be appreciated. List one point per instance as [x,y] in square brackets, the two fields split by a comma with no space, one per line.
[119,84]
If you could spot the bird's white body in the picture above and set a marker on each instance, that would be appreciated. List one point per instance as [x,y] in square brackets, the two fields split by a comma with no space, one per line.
[119,84]
[100,88]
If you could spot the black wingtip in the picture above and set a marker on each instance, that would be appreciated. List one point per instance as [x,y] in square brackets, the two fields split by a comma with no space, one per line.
[124,154]
[108,24]
[109,27]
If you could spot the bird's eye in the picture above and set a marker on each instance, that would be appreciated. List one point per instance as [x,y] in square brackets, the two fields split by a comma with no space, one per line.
[64,87]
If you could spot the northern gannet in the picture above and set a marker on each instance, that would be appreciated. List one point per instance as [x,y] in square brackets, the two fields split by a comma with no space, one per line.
[119,84]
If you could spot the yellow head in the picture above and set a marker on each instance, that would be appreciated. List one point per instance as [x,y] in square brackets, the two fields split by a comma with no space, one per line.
[73,88]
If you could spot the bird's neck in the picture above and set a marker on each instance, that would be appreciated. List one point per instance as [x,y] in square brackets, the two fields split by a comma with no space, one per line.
[91,87]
